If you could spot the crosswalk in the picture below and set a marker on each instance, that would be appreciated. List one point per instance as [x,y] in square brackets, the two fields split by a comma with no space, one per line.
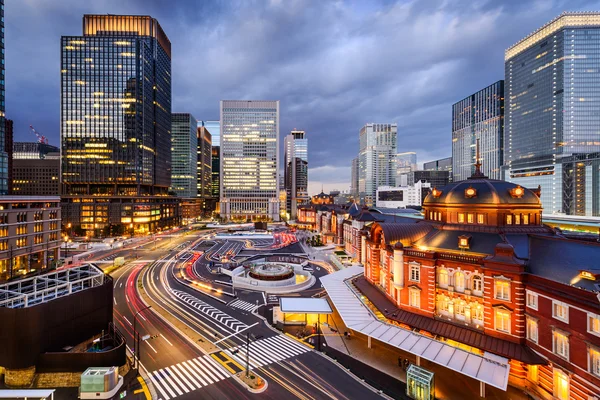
[243,305]
[212,312]
[268,351]
[272,299]
[187,376]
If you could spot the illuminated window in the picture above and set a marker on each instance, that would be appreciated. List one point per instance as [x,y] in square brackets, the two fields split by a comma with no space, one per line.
[502,319]
[443,278]
[461,218]
[509,219]
[415,272]
[517,219]
[532,300]
[480,218]
[477,284]
[560,311]
[502,287]
[459,281]
[532,329]
[532,373]
[594,361]
[470,218]
[525,219]
[561,385]
[414,298]
[560,343]
[594,323]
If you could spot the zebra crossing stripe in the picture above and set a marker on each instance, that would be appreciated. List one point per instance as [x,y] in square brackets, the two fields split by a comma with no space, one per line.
[193,381]
[244,305]
[268,350]
[209,369]
[216,367]
[289,345]
[174,374]
[159,387]
[192,366]
[167,378]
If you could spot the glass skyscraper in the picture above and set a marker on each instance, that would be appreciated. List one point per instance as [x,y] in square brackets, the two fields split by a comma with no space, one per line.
[3,150]
[296,171]
[116,125]
[214,127]
[405,163]
[377,159]
[249,160]
[551,135]
[184,155]
[478,117]
[204,163]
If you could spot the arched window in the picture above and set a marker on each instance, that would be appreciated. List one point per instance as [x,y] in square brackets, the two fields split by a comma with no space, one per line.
[477,284]
[459,281]
[443,278]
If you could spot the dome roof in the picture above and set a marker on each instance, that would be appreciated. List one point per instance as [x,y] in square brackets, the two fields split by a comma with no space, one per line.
[481,191]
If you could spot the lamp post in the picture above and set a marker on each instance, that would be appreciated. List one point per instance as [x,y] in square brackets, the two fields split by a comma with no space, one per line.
[136,339]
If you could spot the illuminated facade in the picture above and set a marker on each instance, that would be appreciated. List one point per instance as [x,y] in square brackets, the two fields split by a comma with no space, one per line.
[478,117]
[296,171]
[204,163]
[551,136]
[249,160]
[216,172]
[116,125]
[3,151]
[354,178]
[184,144]
[405,163]
[214,127]
[376,158]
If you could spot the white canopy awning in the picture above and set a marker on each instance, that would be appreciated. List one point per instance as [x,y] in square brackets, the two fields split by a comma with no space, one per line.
[304,305]
[27,393]
[490,369]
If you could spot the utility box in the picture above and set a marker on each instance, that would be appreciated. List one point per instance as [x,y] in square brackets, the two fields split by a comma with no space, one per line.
[100,383]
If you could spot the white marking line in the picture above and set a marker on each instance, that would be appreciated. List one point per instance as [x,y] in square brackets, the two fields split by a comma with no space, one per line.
[207,373]
[168,375]
[159,387]
[192,384]
[151,346]
[174,374]
[142,317]
[115,300]
[127,320]
[166,339]
[127,298]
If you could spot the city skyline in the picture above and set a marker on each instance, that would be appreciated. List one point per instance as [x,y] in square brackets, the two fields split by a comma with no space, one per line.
[335,100]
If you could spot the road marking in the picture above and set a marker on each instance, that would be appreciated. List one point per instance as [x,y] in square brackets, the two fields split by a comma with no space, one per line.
[267,351]
[243,305]
[151,346]
[166,339]
[127,320]
[115,300]
[227,361]
[127,298]
[144,389]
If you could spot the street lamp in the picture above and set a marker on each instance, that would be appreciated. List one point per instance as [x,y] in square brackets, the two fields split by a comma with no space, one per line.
[136,339]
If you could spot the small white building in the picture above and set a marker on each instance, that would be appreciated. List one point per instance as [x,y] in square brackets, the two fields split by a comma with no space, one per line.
[402,196]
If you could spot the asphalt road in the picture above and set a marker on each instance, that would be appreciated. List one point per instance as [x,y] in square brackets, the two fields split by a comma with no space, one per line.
[177,368]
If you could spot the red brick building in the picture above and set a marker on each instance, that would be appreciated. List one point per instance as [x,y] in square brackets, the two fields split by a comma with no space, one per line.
[482,271]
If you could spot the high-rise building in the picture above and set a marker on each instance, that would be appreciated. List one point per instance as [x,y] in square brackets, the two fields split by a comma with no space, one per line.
[8,147]
[214,127]
[35,169]
[405,162]
[479,116]
[216,172]
[296,171]
[185,155]
[354,178]
[116,126]
[4,170]
[249,160]
[443,164]
[377,158]
[551,132]
[204,163]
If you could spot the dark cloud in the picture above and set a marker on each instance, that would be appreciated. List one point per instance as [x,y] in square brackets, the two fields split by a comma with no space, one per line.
[335,65]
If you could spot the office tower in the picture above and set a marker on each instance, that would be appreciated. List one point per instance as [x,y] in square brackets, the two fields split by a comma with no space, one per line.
[8,147]
[116,126]
[216,172]
[35,169]
[3,146]
[551,132]
[354,178]
[405,162]
[204,163]
[377,158]
[479,116]
[296,171]
[184,155]
[214,127]
[249,159]
[443,164]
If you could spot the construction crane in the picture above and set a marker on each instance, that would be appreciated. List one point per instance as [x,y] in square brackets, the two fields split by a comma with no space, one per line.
[41,138]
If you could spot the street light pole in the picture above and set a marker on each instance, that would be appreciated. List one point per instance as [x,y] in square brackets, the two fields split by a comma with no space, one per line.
[136,339]
[247,353]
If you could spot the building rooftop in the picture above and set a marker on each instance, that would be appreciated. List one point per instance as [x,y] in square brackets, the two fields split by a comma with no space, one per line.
[43,288]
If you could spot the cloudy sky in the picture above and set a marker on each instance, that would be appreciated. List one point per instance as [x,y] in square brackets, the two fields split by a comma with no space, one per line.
[334,65]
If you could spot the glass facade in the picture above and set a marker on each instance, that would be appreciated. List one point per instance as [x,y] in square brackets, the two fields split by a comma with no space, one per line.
[184,157]
[3,151]
[478,117]
[405,163]
[249,160]
[377,158]
[214,127]
[204,163]
[551,136]
[296,171]
[116,124]
[354,177]
[216,172]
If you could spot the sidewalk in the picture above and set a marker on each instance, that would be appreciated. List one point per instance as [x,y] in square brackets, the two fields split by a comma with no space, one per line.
[449,385]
